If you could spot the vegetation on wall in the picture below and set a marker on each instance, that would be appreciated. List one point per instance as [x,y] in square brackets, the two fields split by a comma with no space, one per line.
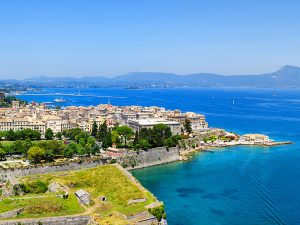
[124,137]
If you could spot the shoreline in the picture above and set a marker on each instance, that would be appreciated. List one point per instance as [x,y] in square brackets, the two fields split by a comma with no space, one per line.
[180,155]
[185,154]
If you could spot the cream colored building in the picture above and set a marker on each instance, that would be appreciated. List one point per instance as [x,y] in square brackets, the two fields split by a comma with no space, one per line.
[7,124]
[53,122]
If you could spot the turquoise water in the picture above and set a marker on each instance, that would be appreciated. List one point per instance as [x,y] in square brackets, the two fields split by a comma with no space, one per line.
[238,185]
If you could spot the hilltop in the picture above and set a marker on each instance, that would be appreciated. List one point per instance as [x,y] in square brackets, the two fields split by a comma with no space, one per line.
[112,195]
[285,77]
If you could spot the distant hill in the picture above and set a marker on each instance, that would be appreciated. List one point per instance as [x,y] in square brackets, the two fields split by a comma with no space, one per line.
[286,77]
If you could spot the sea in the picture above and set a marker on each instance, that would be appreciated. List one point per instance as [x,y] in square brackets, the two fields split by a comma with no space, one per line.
[236,185]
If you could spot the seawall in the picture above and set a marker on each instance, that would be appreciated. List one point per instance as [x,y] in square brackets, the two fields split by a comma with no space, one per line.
[151,157]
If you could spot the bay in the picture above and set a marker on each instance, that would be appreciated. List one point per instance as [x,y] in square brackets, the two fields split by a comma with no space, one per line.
[238,185]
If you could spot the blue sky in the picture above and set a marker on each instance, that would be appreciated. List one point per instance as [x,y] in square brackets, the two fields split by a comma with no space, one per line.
[88,38]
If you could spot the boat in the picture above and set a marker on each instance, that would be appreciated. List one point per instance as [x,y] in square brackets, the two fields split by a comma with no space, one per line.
[208,150]
[58,100]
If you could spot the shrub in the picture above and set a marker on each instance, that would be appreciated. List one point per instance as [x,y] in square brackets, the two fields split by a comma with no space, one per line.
[158,212]
[36,154]
[36,187]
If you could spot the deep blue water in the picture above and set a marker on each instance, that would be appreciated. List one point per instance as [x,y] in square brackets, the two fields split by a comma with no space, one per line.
[238,185]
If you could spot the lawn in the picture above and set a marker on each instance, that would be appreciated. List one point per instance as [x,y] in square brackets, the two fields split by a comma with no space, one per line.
[48,206]
[9,143]
[105,180]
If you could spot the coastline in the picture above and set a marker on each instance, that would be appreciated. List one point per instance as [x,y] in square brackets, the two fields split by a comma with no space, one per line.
[143,159]
[186,154]
[262,163]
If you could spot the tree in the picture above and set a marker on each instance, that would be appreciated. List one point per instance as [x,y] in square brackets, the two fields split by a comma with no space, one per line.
[58,135]
[168,132]
[136,138]
[158,212]
[36,154]
[107,142]
[172,141]
[10,135]
[49,156]
[2,134]
[125,132]
[95,149]
[27,134]
[82,142]
[188,126]
[176,138]
[49,134]
[71,134]
[20,147]
[102,131]
[70,150]
[2,154]
[169,143]
[94,129]
[55,146]
[144,144]
[91,141]
[145,133]
[158,134]
[82,136]
[114,136]
[88,149]
[80,150]
[35,135]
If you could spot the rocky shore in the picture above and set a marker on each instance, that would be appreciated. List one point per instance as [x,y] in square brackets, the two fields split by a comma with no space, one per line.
[185,154]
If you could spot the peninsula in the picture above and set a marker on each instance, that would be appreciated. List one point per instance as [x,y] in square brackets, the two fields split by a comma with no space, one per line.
[70,165]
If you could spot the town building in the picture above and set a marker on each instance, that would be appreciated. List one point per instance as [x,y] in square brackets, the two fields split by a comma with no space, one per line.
[137,125]
[40,117]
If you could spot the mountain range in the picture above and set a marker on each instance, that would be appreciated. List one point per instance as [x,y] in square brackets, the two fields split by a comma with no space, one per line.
[285,77]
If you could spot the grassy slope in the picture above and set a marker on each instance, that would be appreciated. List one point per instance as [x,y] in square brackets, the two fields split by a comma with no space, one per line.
[105,180]
[43,207]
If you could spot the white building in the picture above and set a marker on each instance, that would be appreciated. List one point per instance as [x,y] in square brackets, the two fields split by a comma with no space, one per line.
[137,125]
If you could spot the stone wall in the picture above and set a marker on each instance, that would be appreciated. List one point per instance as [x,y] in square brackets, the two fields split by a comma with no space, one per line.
[67,220]
[11,214]
[151,157]
[42,169]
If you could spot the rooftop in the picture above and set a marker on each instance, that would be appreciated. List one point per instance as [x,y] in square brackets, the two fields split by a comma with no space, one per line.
[150,122]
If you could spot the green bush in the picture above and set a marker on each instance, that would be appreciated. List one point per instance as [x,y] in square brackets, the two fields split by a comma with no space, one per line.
[36,187]
[158,212]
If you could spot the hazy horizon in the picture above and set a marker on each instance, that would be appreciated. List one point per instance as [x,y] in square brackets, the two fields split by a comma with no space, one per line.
[116,75]
[93,38]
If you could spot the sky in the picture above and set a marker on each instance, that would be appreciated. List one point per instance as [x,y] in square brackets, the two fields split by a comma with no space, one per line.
[113,37]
